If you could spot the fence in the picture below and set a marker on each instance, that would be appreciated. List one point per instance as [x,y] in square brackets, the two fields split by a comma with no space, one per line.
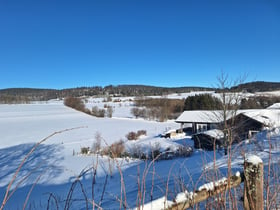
[253,187]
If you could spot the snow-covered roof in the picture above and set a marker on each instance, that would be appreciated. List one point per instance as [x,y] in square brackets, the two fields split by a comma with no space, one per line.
[274,106]
[200,116]
[215,133]
[269,117]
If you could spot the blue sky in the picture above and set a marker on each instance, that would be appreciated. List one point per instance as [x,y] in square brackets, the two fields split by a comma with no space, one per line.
[67,43]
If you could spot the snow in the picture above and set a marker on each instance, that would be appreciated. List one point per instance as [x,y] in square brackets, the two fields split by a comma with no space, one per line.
[268,93]
[269,117]
[185,95]
[274,106]
[237,173]
[215,133]
[254,159]
[121,105]
[184,196]
[200,116]
[56,163]
[160,203]
[210,186]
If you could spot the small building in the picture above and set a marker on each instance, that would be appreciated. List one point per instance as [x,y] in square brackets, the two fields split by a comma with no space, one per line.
[252,121]
[200,120]
[208,140]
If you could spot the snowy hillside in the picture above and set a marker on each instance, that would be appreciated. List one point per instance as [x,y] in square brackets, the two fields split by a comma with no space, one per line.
[56,164]
[57,160]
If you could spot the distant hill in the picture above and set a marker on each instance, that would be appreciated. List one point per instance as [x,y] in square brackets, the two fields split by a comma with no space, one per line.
[24,95]
[258,86]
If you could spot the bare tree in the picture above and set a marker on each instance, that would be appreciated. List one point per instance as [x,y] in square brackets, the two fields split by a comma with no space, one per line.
[96,146]
[109,111]
[231,101]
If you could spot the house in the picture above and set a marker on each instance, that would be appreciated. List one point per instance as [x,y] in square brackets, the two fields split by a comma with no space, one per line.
[245,123]
[200,120]
[252,121]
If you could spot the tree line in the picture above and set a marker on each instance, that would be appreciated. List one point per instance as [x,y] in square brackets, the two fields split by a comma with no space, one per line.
[14,95]
[79,104]
[160,109]
[210,102]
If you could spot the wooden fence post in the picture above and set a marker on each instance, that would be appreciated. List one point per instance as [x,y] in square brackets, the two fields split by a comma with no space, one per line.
[253,183]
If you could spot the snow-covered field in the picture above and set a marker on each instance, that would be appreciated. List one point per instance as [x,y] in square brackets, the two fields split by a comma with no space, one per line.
[50,171]
[56,161]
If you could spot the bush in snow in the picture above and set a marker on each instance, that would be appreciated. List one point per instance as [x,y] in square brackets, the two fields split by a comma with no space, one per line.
[84,150]
[131,136]
[136,151]
[135,135]
[141,132]
[98,112]
[75,103]
[155,150]
[185,151]
[158,108]
[137,112]
[117,149]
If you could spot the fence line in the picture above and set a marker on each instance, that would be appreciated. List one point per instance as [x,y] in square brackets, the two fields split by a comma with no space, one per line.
[253,187]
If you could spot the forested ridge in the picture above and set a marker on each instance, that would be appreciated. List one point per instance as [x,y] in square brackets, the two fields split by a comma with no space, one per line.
[31,94]
[259,86]
[25,95]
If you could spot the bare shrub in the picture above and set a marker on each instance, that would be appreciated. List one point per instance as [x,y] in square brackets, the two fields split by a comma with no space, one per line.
[98,112]
[158,108]
[185,151]
[96,146]
[131,136]
[155,150]
[109,111]
[10,99]
[75,103]
[153,114]
[117,149]
[141,132]
[136,151]
[135,135]
[138,112]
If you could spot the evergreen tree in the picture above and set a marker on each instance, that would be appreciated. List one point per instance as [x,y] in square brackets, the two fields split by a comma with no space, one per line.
[202,102]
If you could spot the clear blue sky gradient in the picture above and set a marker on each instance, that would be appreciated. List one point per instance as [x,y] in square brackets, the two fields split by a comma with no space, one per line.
[66,43]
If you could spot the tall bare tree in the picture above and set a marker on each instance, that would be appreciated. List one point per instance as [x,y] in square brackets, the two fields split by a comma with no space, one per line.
[231,100]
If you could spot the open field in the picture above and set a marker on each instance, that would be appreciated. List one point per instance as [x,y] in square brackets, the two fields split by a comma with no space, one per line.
[57,163]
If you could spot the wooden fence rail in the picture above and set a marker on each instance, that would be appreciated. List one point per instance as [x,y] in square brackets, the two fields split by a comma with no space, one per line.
[253,187]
